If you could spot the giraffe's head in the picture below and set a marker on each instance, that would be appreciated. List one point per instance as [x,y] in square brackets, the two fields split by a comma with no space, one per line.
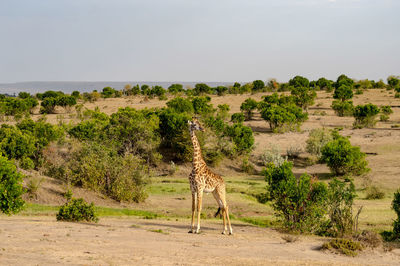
[195,125]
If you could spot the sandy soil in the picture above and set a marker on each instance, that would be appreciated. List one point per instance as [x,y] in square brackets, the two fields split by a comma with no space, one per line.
[129,241]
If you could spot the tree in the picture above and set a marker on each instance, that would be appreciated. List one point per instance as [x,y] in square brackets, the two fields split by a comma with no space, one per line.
[343,158]
[299,81]
[221,90]
[242,137]
[181,105]
[304,96]
[299,202]
[344,80]
[393,82]
[345,108]
[325,84]
[365,115]
[11,189]
[201,88]
[258,85]
[248,106]
[343,93]
[175,88]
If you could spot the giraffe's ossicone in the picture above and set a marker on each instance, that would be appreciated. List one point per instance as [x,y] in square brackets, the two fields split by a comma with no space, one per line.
[202,179]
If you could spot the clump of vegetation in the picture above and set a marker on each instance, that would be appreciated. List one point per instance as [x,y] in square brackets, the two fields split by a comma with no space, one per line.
[76,210]
[395,233]
[374,192]
[33,185]
[343,158]
[345,108]
[11,189]
[344,246]
[248,106]
[386,111]
[281,113]
[294,151]
[299,203]
[247,166]
[317,139]
[272,155]
[304,96]
[340,198]
[237,118]
[365,115]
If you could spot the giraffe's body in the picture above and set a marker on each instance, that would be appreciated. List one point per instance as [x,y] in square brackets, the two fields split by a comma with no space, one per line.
[202,179]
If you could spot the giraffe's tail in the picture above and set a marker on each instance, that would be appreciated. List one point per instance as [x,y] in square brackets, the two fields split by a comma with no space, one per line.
[218,212]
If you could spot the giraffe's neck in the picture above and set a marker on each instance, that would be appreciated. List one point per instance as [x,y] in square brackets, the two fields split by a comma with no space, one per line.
[197,157]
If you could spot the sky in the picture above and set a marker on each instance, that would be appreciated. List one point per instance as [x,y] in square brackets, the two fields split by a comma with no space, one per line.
[197,40]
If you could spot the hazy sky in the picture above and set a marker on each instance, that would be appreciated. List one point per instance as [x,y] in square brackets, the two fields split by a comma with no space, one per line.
[197,40]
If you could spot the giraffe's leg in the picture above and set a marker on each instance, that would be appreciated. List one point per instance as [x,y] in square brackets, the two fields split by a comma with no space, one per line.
[193,211]
[217,195]
[227,217]
[199,203]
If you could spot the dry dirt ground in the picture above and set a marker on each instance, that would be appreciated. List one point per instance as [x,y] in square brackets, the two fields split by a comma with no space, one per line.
[41,240]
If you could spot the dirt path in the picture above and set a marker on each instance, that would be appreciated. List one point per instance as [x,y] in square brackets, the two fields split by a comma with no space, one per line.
[130,241]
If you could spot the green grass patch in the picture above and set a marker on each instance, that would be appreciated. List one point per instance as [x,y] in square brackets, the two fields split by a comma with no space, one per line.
[158,231]
[344,246]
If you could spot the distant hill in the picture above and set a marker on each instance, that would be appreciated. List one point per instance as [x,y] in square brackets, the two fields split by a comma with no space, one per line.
[85,86]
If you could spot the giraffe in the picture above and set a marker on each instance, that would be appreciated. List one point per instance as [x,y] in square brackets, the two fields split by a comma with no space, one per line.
[202,179]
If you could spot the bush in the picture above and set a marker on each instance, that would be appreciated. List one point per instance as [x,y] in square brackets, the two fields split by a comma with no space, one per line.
[317,139]
[299,203]
[242,137]
[344,80]
[175,88]
[221,90]
[304,96]
[76,210]
[284,118]
[202,106]
[343,93]
[248,106]
[237,118]
[299,81]
[340,199]
[201,88]
[272,155]
[181,105]
[345,246]
[341,109]
[11,189]
[373,192]
[16,144]
[343,158]
[100,168]
[258,85]
[386,111]
[395,234]
[109,92]
[365,115]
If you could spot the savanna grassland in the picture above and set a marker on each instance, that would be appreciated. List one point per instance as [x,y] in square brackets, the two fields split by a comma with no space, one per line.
[152,229]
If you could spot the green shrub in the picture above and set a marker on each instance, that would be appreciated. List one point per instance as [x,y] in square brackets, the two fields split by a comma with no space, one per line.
[343,93]
[343,158]
[284,118]
[223,111]
[299,81]
[242,137]
[395,234]
[303,96]
[26,163]
[76,210]
[325,84]
[175,88]
[386,111]
[181,105]
[299,203]
[248,106]
[202,106]
[99,168]
[16,144]
[344,108]
[345,246]
[237,118]
[221,90]
[374,192]
[108,92]
[11,189]
[201,88]
[317,139]
[340,198]
[247,166]
[344,80]
[76,94]
[258,85]
[365,115]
